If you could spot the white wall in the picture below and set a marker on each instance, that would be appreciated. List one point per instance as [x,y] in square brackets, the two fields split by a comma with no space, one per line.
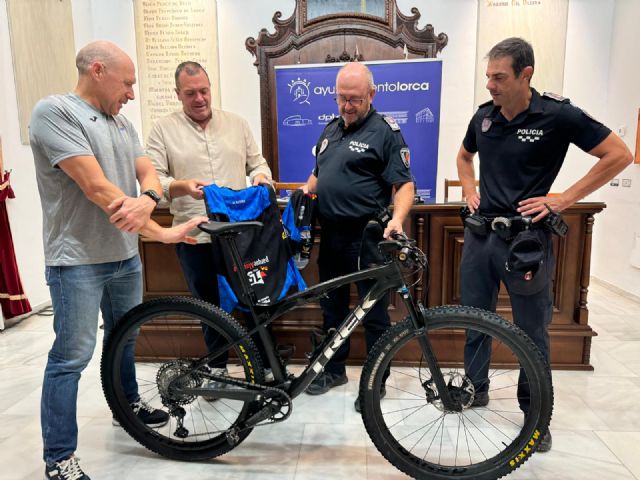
[24,211]
[617,229]
[599,76]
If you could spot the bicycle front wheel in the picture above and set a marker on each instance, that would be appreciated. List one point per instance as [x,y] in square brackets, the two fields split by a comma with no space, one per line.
[492,382]
[159,349]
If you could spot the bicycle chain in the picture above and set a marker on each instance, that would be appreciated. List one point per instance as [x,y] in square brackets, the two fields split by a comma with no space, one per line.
[254,386]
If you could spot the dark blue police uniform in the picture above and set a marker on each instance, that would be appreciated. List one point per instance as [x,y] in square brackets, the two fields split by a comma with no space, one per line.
[519,159]
[356,168]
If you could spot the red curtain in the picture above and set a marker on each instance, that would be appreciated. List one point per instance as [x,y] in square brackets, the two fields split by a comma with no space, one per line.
[12,298]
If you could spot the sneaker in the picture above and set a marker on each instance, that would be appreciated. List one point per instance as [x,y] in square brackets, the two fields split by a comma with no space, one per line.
[67,469]
[358,403]
[214,383]
[545,443]
[325,382]
[151,417]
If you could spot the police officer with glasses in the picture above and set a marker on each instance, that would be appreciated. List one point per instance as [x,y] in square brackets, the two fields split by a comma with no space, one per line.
[361,157]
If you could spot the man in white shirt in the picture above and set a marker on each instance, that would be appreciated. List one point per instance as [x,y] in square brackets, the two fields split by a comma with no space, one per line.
[193,148]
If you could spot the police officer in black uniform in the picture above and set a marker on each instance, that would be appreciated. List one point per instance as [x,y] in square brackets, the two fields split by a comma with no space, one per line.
[360,157]
[522,138]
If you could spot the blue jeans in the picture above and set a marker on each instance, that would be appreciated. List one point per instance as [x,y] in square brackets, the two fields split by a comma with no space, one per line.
[78,293]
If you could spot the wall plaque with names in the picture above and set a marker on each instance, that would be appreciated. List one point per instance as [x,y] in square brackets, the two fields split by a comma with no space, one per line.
[169,32]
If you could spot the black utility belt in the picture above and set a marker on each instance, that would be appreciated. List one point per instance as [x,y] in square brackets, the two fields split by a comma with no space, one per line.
[508,227]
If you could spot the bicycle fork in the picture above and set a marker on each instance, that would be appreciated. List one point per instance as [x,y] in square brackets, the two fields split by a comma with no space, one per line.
[418,318]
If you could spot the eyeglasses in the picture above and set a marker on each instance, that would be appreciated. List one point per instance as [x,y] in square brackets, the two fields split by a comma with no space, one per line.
[356,102]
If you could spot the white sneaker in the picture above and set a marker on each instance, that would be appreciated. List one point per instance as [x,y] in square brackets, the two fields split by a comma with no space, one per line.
[67,469]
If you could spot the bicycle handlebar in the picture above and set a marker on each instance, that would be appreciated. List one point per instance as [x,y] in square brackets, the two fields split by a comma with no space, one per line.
[404,249]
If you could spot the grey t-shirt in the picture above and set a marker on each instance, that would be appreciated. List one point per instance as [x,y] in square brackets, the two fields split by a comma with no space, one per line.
[75,230]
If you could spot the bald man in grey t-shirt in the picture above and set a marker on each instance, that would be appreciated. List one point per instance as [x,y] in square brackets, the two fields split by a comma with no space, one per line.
[88,160]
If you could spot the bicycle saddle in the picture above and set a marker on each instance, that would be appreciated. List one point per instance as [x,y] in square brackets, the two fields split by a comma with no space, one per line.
[219,228]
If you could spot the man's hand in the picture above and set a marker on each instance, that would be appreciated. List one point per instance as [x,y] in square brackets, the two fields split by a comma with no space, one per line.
[194,188]
[394,225]
[535,206]
[179,233]
[473,202]
[191,187]
[131,214]
[261,178]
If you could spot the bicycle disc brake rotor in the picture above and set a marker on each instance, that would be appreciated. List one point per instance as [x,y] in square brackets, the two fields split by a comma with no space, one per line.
[460,389]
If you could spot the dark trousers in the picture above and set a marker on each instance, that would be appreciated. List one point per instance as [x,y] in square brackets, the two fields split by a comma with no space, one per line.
[481,270]
[200,266]
[339,250]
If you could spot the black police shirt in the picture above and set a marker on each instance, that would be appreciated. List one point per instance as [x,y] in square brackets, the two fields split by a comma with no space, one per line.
[520,159]
[357,167]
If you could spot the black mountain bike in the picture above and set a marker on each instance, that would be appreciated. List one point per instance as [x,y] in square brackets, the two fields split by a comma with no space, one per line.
[427,425]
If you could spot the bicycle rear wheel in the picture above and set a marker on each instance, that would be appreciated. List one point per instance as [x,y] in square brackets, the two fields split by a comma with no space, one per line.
[479,440]
[167,337]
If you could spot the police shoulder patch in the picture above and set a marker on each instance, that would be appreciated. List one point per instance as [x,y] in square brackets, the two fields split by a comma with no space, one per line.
[556,97]
[392,123]
[405,156]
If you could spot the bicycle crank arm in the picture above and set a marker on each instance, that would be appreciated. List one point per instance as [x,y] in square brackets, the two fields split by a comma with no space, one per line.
[241,394]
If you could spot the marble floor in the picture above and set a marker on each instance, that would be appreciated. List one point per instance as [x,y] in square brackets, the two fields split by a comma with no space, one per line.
[596,422]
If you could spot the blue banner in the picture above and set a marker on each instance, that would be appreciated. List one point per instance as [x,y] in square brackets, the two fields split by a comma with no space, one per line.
[408,91]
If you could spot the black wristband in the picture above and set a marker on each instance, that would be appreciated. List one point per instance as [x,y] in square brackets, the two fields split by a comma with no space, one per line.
[152,195]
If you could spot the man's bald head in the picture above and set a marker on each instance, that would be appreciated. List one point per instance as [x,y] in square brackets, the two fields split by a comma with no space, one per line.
[102,51]
[356,71]
[106,76]
[354,92]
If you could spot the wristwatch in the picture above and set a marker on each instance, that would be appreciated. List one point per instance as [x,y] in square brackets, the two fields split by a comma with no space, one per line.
[152,194]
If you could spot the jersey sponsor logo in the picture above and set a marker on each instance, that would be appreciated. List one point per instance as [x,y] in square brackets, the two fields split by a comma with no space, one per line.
[529,134]
[256,276]
[357,146]
[256,263]
[405,155]
[299,90]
